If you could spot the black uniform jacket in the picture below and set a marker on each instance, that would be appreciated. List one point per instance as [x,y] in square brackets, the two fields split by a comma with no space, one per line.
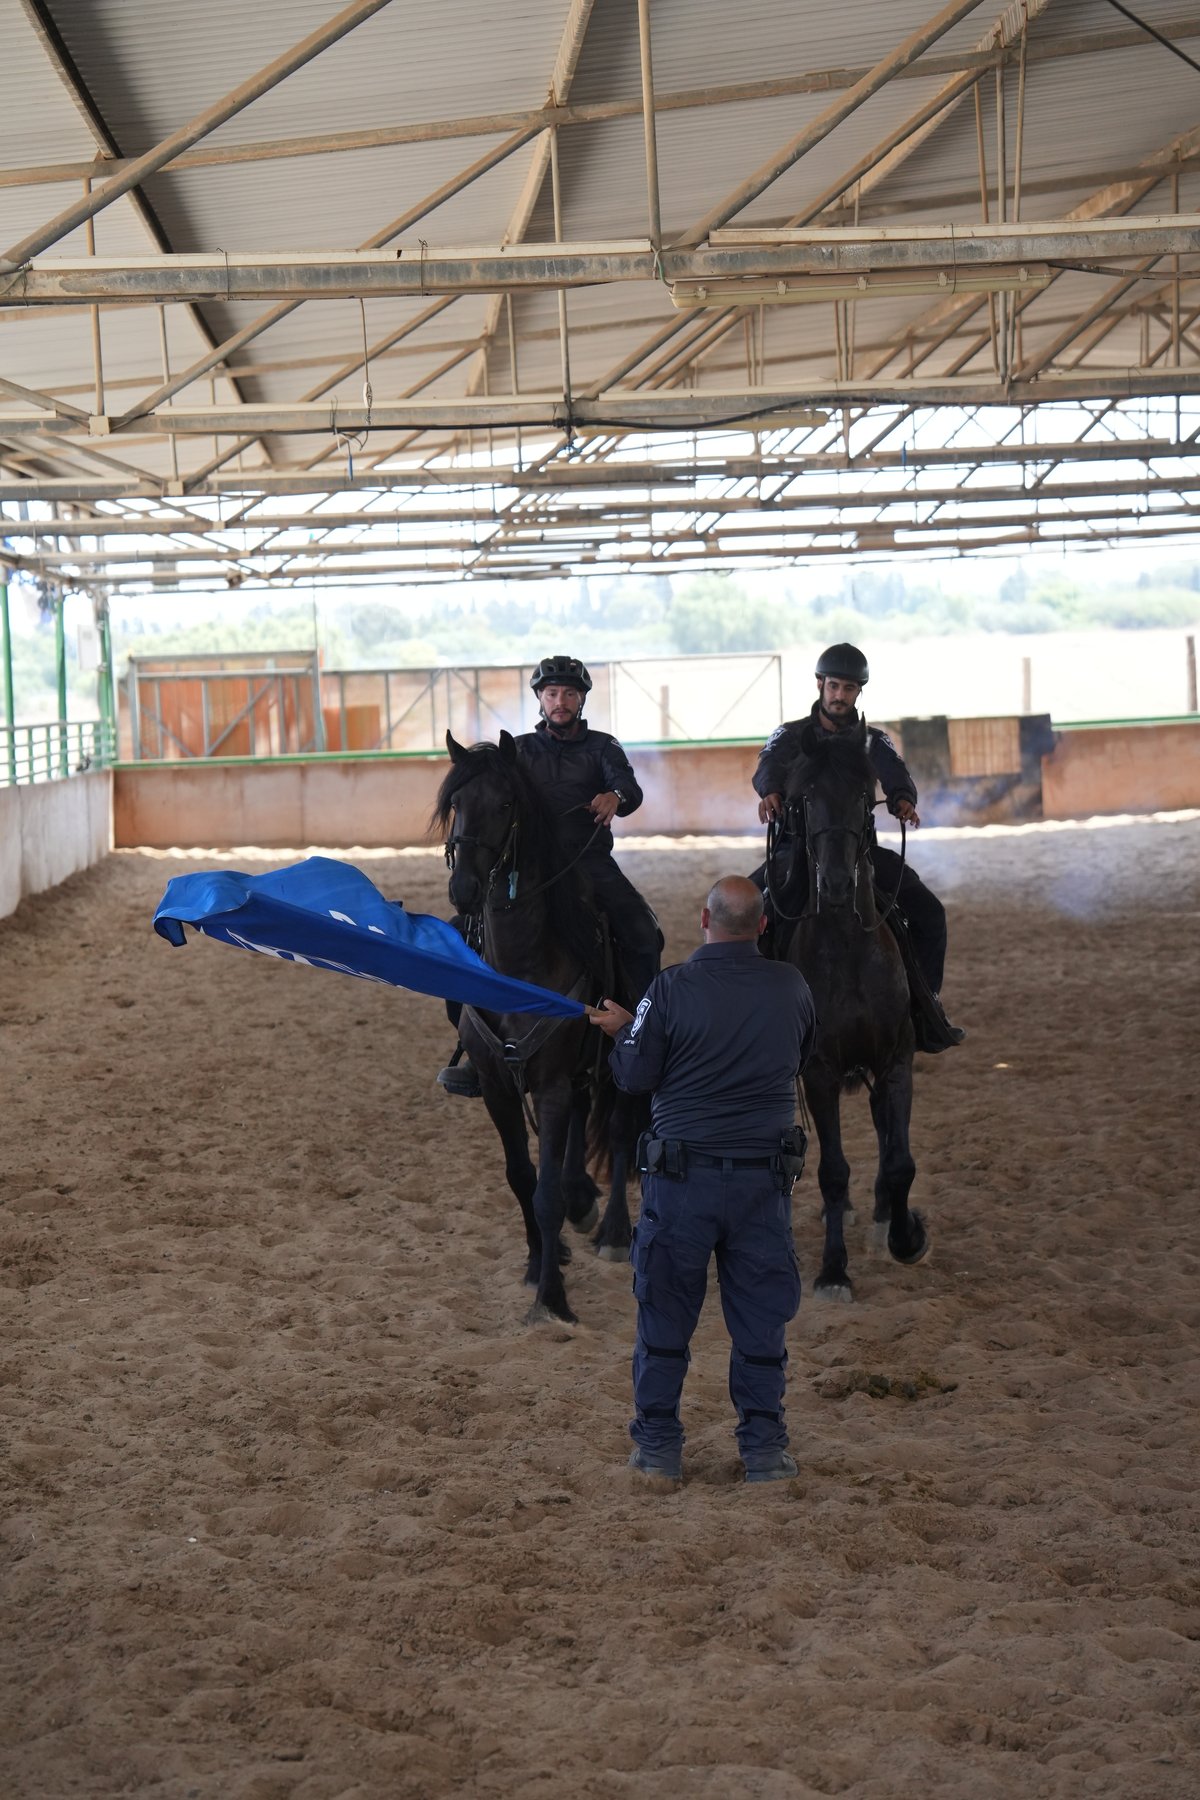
[718,1041]
[783,747]
[570,772]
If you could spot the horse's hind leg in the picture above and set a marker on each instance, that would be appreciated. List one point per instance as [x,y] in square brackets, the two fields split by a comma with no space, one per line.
[580,1192]
[891,1111]
[823,1090]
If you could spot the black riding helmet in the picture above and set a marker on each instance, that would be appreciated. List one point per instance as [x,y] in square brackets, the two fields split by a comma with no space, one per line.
[560,671]
[844,661]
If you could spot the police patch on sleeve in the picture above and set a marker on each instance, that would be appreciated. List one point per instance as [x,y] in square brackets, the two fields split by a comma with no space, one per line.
[639,1016]
[881,737]
[775,736]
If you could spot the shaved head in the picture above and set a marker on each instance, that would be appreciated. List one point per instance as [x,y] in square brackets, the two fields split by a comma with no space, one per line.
[734,908]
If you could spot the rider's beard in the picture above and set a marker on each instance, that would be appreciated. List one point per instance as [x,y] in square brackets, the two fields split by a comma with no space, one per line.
[561,727]
[844,711]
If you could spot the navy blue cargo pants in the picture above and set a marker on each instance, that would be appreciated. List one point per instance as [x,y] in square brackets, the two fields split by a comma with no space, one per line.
[744,1216]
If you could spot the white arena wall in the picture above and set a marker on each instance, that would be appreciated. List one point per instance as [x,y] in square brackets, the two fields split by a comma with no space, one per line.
[52,829]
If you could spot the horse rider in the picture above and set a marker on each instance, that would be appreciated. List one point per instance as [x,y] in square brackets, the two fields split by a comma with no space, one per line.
[718,1042]
[585,779]
[842,673]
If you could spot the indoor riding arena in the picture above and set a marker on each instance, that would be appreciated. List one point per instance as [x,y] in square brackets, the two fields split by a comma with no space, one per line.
[331,308]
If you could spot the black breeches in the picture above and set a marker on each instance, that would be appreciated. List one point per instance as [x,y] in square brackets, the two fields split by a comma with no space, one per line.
[634,926]
[924,911]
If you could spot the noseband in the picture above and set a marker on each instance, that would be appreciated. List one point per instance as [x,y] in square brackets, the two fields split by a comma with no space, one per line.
[506,855]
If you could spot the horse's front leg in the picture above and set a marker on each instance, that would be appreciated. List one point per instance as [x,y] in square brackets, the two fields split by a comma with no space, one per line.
[823,1091]
[613,1239]
[549,1207]
[891,1112]
[504,1109]
[579,1190]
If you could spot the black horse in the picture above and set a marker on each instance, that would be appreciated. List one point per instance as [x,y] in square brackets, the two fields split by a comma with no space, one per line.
[528,915]
[840,942]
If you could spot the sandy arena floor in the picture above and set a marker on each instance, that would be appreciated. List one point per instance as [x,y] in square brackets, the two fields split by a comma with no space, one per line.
[297,1508]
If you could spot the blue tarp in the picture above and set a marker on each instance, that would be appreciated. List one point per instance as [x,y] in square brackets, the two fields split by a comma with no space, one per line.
[328,915]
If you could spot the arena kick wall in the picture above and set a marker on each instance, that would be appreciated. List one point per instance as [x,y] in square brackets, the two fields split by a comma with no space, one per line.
[49,830]
[969,772]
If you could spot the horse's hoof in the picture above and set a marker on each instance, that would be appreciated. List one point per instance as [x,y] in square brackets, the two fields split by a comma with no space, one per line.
[838,1291]
[541,1314]
[612,1253]
[918,1240]
[588,1222]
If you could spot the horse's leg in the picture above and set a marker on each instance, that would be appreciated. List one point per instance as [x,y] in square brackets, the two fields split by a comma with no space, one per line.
[891,1111]
[615,1235]
[549,1209]
[823,1091]
[504,1109]
[579,1190]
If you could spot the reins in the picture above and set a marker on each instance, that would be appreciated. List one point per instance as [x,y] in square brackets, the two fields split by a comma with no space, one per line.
[810,904]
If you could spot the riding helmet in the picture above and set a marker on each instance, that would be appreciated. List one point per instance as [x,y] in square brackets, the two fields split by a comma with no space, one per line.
[560,671]
[846,662]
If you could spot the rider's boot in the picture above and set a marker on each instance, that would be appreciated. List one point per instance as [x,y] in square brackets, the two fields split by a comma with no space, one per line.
[460,1077]
[934,1030]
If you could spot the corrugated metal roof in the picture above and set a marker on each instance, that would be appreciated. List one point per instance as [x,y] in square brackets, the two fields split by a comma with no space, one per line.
[146,68]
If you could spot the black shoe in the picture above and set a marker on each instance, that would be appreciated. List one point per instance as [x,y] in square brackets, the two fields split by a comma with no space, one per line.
[782,1469]
[934,1032]
[460,1077]
[665,1469]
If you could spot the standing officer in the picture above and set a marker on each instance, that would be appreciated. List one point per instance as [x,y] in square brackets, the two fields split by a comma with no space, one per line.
[718,1042]
[586,780]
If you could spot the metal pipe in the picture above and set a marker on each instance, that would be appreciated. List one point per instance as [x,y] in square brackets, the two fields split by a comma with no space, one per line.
[652,196]
[60,669]
[97,358]
[204,122]
[6,666]
[563,338]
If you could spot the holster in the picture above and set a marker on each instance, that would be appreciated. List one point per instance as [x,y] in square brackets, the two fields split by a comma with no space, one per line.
[661,1156]
[793,1147]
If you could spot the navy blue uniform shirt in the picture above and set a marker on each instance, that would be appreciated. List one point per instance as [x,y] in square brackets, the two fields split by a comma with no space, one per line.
[783,747]
[718,1041]
[570,772]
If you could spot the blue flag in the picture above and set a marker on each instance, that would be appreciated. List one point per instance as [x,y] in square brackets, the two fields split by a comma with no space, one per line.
[328,915]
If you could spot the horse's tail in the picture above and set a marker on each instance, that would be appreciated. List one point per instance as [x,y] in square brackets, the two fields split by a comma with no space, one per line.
[615,1121]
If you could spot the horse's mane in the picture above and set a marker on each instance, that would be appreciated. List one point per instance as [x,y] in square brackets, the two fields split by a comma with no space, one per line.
[538,840]
[839,757]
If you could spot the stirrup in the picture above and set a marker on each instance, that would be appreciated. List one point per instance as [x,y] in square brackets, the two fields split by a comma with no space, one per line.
[461,1078]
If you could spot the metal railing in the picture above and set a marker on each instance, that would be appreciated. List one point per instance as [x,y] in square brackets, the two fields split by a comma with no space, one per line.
[54,751]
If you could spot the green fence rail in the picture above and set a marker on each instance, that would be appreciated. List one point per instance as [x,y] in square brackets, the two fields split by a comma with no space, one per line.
[55,751]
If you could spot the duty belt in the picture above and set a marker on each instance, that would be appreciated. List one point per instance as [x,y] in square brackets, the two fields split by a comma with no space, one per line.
[672,1157]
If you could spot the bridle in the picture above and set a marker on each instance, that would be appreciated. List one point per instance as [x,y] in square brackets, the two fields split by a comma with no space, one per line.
[505,860]
[862,839]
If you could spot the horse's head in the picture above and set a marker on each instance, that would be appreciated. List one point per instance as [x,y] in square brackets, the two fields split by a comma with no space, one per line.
[831,789]
[479,809]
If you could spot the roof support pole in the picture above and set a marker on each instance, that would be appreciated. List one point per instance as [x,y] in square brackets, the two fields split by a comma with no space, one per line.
[6,669]
[647,62]
[236,101]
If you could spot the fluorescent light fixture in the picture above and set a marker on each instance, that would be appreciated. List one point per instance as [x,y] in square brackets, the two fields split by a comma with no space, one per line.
[808,290]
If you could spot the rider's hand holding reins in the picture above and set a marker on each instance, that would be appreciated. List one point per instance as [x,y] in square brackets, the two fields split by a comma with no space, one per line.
[770,808]
[907,813]
[604,808]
